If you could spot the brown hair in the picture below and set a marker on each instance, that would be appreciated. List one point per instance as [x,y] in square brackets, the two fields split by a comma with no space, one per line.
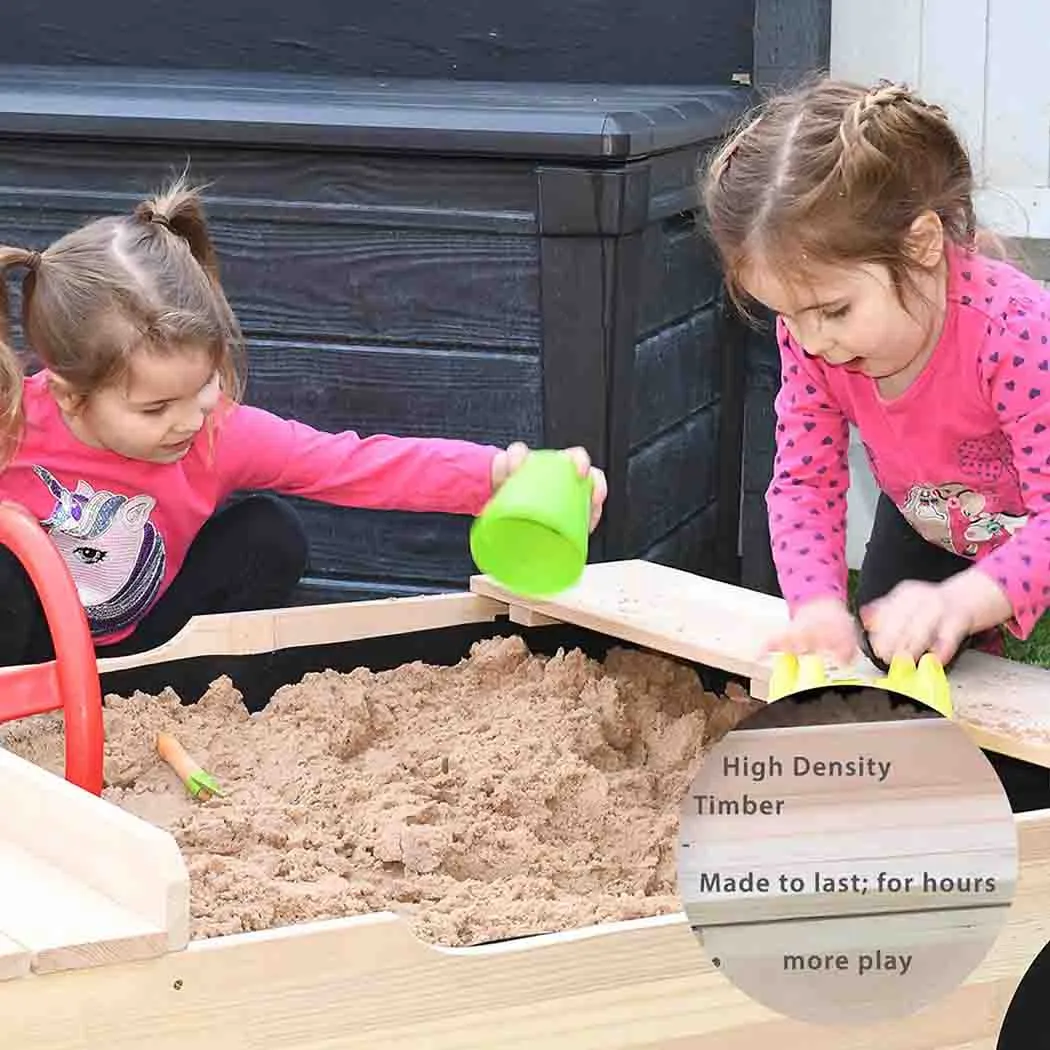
[833,172]
[147,280]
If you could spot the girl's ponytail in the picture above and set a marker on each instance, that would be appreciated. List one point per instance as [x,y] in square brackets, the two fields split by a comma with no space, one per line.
[179,210]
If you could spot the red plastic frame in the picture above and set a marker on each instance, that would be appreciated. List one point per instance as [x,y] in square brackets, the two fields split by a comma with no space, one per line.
[70,681]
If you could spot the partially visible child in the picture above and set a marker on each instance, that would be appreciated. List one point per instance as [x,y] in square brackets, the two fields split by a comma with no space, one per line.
[127,443]
[848,212]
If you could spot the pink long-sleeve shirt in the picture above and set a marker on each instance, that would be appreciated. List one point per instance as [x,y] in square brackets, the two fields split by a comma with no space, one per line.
[964,453]
[124,526]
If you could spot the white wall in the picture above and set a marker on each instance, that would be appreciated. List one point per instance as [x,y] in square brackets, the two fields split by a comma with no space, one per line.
[988,63]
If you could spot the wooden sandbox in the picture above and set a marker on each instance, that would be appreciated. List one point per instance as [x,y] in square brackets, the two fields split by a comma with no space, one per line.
[94,914]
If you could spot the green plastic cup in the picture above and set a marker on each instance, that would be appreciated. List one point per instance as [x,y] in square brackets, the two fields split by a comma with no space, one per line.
[532,536]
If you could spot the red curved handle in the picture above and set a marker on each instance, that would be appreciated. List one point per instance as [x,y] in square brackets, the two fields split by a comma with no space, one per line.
[74,671]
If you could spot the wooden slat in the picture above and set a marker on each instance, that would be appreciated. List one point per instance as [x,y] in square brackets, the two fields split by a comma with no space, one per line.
[241,634]
[402,547]
[470,393]
[662,608]
[672,478]
[83,882]
[932,953]
[367,982]
[63,923]
[355,284]
[676,371]
[940,809]
[999,703]
[679,274]
[457,192]
[15,959]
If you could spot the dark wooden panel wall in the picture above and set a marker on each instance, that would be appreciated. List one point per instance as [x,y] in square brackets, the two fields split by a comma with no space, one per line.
[462,296]
[605,41]
[373,298]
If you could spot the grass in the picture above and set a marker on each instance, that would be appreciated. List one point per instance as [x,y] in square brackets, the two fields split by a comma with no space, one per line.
[1034,650]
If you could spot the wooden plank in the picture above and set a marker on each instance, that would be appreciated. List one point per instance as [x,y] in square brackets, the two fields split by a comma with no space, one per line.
[396,546]
[938,949]
[556,43]
[575,273]
[724,626]
[529,618]
[367,982]
[672,478]
[680,275]
[467,393]
[15,959]
[662,608]
[792,39]
[676,372]
[65,925]
[939,808]
[691,545]
[355,284]
[84,881]
[265,631]
[1002,705]
[436,287]
[465,193]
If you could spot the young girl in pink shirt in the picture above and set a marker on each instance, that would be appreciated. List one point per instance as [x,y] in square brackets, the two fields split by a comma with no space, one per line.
[128,441]
[848,212]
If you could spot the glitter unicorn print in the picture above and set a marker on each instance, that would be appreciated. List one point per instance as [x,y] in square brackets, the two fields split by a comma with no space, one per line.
[113,551]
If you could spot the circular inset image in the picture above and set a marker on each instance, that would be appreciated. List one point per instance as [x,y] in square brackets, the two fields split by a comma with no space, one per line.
[846,855]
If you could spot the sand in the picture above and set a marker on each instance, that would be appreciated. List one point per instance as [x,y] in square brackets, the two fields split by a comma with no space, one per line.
[511,794]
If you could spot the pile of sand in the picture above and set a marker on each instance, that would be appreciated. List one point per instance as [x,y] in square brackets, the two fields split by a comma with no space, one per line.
[508,795]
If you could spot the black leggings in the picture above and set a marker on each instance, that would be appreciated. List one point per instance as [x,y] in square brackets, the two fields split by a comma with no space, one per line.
[250,555]
[896,552]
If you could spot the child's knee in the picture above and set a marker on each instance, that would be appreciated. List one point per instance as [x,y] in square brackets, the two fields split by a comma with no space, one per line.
[278,530]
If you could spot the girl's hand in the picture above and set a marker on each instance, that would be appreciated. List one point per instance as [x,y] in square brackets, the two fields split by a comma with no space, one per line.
[506,463]
[823,625]
[916,617]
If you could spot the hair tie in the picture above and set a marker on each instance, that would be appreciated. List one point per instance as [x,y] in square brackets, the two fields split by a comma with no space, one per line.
[160,220]
[32,261]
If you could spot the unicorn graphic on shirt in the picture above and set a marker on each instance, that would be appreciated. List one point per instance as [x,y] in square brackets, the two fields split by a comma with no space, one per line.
[113,551]
[954,517]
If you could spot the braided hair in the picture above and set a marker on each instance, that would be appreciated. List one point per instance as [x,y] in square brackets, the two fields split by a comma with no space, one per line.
[836,173]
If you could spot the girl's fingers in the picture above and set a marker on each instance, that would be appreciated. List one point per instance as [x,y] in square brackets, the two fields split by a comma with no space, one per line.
[845,649]
[517,452]
[949,637]
[580,457]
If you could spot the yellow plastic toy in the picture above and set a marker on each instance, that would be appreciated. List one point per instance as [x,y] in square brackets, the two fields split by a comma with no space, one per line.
[926,683]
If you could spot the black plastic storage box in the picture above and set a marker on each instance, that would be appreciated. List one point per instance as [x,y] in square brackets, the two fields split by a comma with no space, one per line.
[474,260]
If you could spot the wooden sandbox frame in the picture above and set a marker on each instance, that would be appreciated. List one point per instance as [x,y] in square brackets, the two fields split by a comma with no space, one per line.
[94,914]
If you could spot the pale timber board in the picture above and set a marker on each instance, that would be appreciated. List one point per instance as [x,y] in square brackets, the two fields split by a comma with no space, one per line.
[266,631]
[941,809]
[120,873]
[910,960]
[363,983]
[1002,705]
[65,924]
[666,609]
[14,959]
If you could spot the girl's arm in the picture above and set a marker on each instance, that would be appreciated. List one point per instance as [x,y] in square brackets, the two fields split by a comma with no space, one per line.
[258,450]
[1014,366]
[806,499]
